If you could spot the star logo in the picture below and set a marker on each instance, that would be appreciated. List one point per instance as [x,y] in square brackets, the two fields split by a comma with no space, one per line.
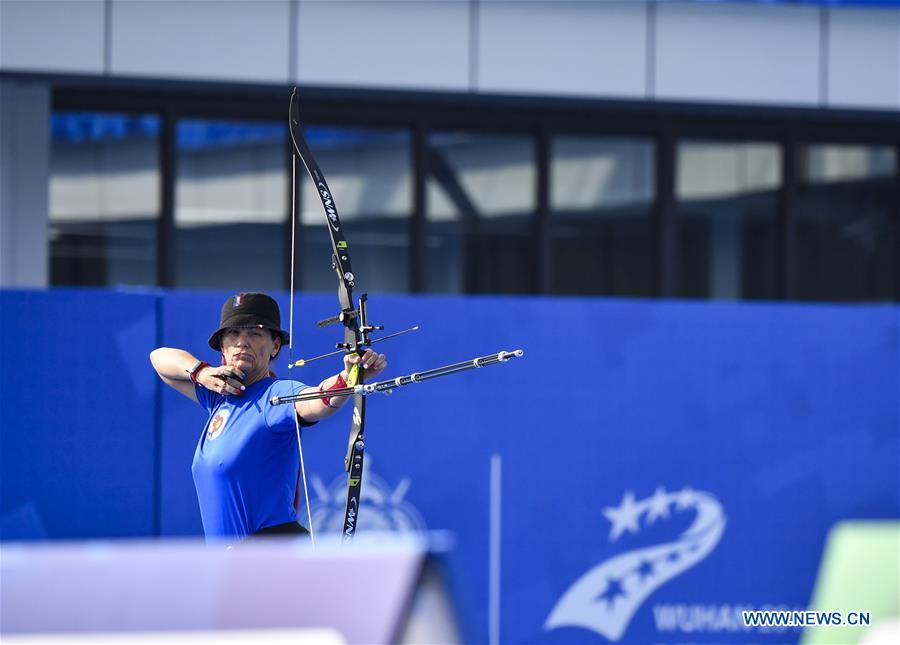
[623,518]
[605,598]
[659,506]
[685,498]
[613,590]
[645,569]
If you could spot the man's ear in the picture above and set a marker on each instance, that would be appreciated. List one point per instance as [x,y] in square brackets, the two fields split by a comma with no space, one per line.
[277,347]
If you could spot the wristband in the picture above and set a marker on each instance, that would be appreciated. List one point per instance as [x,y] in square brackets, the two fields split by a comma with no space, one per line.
[339,383]
[199,365]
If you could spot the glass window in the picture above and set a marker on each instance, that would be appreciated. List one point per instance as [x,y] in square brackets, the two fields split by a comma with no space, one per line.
[727,219]
[104,198]
[846,226]
[231,205]
[831,163]
[369,172]
[480,207]
[601,221]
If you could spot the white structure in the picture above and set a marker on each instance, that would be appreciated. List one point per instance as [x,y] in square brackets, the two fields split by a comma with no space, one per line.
[746,53]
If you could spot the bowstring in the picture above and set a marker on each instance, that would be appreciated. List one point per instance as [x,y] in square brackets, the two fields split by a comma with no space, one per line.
[312,534]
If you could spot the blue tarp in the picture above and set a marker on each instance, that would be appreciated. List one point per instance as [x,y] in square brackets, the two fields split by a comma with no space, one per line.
[657,465]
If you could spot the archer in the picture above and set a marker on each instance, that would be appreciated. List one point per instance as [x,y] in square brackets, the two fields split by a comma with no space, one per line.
[248,461]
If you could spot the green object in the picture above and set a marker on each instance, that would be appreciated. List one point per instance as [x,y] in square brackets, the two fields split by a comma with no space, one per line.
[860,571]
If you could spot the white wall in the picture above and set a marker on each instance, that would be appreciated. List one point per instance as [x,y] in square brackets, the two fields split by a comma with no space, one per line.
[563,47]
[238,40]
[636,49]
[386,44]
[740,53]
[52,36]
[863,64]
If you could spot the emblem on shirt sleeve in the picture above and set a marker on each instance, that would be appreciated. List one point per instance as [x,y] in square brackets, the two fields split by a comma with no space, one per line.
[214,429]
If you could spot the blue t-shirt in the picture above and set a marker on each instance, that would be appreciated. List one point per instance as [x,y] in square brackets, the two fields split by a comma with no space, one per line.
[247,461]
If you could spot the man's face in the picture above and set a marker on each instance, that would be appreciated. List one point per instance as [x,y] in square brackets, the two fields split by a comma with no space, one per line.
[249,349]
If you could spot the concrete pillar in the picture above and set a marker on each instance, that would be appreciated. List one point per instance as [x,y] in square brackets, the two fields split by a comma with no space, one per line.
[24,179]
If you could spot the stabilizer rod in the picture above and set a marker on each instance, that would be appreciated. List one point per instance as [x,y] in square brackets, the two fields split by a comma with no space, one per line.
[386,387]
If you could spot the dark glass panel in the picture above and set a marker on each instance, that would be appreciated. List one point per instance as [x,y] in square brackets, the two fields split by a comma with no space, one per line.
[369,172]
[104,198]
[846,223]
[480,210]
[601,223]
[726,213]
[230,205]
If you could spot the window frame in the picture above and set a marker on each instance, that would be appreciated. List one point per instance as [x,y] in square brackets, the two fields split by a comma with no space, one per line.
[541,118]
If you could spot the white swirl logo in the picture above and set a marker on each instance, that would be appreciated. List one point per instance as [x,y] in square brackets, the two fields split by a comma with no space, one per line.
[380,508]
[605,598]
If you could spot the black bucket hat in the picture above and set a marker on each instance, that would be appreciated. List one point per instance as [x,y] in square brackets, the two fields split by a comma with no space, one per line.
[249,310]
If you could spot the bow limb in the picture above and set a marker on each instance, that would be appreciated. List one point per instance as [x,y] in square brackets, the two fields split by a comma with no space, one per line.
[354,319]
[295,196]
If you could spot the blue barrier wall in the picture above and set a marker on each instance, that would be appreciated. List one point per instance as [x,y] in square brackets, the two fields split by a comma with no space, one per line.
[661,465]
[77,414]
